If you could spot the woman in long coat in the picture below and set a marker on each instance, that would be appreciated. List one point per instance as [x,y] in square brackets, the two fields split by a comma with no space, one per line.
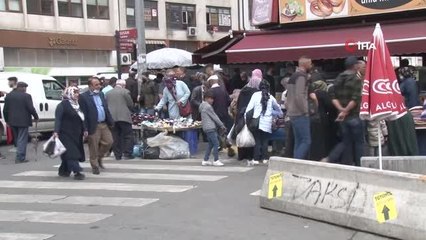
[242,103]
[69,128]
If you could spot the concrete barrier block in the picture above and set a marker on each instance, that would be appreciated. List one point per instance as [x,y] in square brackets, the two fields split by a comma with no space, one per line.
[387,203]
[410,164]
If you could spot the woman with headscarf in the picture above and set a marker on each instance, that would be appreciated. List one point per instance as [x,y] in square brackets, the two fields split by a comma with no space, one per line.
[265,107]
[242,102]
[69,128]
[174,94]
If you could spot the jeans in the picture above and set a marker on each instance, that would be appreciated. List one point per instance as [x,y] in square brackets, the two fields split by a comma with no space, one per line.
[122,134]
[261,147]
[302,136]
[21,142]
[212,137]
[149,111]
[352,139]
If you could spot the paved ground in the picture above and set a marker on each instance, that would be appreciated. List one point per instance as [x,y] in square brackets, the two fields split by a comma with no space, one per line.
[146,199]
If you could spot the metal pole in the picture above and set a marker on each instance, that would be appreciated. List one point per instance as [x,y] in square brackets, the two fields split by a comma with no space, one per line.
[117,49]
[141,46]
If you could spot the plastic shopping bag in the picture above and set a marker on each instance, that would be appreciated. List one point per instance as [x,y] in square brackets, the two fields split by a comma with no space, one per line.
[245,138]
[53,147]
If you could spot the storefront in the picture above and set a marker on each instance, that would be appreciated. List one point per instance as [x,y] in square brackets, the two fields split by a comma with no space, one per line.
[66,57]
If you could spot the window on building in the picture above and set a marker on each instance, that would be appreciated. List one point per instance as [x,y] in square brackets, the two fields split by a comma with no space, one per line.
[150,14]
[10,5]
[97,9]
[218,19]
[180,16]
[40,7]
[70,8]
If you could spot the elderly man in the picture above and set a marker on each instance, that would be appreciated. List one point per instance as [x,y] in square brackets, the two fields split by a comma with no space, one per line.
[120,104]
[97,121]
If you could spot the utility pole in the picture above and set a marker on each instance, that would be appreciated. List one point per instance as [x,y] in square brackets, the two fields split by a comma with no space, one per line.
[141,46]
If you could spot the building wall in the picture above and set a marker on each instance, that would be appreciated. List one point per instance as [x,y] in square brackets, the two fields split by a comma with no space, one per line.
[163,33]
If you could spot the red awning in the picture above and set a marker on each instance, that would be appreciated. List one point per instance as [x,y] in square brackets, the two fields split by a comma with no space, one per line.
[215,52]
[402,38]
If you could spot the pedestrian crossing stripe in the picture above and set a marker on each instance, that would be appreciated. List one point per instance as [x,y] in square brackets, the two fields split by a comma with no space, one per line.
[155,176]
[24,236]
[96,186]
[51,217]
[76,200]
[187,160]
[169,167]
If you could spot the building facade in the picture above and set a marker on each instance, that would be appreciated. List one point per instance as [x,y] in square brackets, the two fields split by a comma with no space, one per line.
[74,39]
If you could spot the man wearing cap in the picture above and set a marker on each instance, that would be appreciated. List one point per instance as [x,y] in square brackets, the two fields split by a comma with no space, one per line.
[17,112]
[346,97]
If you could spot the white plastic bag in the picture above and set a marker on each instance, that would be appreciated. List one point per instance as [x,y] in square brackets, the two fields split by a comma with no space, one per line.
[58,150]
[245,138]
[171,147]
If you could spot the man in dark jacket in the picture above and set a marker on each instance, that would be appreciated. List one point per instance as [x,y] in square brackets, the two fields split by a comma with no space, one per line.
[119,104]
[18,109]
[132,86]
[346,98]
[97,122]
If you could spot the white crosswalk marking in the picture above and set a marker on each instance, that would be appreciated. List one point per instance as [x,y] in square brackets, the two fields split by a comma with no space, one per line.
[77,200]
[257,193]
[188,160]
[96,186]
[24,236]
[170,167]
[51,217]
[182,177]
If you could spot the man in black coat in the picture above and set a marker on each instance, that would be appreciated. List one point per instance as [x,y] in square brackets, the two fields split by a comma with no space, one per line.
[97,121]
[17,112]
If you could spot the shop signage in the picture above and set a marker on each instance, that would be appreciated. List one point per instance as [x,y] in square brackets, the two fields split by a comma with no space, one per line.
[62,42]
[264,12]
[126,39]
[307,10]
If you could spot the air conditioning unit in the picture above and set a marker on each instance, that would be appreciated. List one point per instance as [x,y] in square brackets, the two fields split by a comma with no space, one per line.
[126,58]
[192,31]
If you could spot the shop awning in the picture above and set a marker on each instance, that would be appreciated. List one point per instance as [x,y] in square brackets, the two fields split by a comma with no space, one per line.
[156,42]
[402,38]
[215,51]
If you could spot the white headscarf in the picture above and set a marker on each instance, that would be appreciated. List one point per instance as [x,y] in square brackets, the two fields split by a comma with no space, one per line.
[71,94]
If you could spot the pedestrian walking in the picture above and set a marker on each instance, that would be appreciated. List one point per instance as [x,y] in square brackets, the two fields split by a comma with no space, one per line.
[12,82]
[297,108]
[265,107]
[346,97]
[211,123]
[17,112]
[98,120]
[243,100]
[69,128]
[120,104]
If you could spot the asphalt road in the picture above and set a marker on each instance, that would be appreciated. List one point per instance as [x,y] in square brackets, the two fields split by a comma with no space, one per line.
[146,199]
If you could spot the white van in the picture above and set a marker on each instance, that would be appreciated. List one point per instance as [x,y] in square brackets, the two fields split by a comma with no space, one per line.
[45,91]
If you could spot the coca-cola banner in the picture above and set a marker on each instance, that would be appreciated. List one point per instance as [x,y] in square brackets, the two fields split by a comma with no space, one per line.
[307,10]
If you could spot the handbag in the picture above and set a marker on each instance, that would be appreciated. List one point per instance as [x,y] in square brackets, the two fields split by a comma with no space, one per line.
[184,110]
[252,123]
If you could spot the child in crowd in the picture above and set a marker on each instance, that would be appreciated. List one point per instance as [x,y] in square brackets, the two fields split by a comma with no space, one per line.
[211,123]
